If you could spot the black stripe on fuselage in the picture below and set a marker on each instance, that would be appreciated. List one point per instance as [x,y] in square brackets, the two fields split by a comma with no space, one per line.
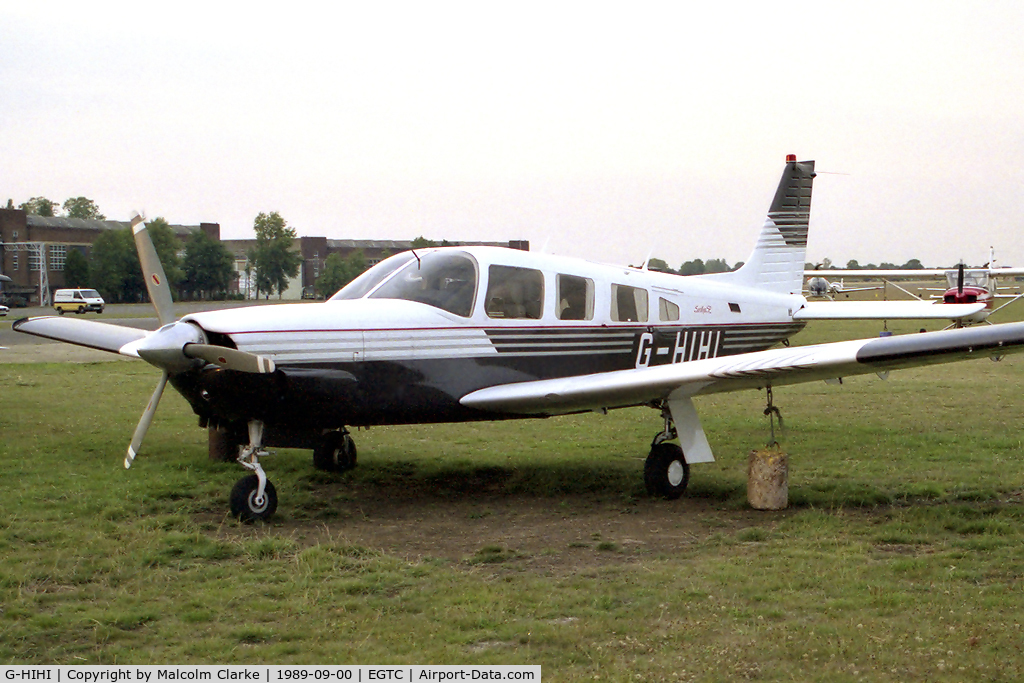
[728,340]
[323,395]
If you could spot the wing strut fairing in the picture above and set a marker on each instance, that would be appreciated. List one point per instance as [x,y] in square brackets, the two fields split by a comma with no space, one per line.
[691,435]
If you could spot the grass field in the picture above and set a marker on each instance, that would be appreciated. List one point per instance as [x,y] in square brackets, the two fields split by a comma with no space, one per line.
[899,559]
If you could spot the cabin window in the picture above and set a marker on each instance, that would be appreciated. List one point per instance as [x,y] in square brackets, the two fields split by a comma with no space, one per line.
[359,287]
[443,279]
[667,311]
[575,298]
[514,292]
[629,304]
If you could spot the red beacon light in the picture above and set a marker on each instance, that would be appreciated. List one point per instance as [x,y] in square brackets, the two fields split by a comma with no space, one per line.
[790,158]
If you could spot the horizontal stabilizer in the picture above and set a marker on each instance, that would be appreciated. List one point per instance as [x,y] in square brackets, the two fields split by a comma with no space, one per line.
[774,367]
[885,310]
[89,333]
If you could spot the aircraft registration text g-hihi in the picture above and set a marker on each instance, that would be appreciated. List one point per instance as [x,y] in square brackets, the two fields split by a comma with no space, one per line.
[661,347]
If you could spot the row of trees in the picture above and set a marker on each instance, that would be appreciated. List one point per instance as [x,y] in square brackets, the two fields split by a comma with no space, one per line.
[853,264]
[694,267]
[203,269]
[75,207]
[717,265]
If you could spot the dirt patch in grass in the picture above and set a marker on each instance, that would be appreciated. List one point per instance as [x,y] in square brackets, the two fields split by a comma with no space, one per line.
[520,532]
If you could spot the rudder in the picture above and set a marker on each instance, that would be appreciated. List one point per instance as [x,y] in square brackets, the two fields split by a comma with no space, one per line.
[777,262]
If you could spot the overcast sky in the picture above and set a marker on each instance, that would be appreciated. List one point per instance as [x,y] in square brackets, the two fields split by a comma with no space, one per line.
[603,131]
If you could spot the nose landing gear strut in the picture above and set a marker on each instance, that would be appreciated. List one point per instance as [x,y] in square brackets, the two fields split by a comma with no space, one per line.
[254,496]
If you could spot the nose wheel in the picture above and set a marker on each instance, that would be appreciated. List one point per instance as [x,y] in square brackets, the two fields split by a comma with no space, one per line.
[246,502]
[253,497]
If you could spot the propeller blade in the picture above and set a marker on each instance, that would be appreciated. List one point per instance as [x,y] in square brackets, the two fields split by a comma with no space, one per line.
[153,272]
[230,359]
[145,420]
[960,279]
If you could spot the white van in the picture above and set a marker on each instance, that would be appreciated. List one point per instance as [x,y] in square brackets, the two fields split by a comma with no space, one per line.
[77,300]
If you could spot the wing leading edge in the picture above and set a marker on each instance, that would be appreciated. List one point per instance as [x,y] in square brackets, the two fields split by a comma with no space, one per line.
[773,367]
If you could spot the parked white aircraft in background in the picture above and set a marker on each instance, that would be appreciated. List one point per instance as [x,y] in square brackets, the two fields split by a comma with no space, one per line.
[963,285]
[462,334]
[820,287]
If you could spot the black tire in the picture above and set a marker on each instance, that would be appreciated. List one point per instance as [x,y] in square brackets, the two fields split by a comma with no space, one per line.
[336,453]
[60,311]
[666,473]
[243,500]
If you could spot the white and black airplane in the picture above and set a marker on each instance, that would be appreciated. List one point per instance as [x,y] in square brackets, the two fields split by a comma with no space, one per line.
[459,334]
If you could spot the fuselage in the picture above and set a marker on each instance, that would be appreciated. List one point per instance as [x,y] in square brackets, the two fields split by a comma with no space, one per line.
[405,341]
[969,287]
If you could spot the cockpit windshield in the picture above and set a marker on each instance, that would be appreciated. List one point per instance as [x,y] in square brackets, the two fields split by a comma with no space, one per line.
[359,287]
[444,279]
[972,278]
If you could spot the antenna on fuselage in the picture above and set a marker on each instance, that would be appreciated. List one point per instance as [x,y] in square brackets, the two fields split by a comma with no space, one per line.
[647,260]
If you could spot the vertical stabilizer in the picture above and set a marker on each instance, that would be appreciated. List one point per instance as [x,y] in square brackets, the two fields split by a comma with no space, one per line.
[777,262]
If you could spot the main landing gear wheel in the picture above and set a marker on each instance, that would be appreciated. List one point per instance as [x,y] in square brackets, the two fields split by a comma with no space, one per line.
[244,502]
[666,473]
[336,453]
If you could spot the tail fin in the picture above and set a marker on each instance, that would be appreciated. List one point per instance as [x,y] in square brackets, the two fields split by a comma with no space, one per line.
[777,262]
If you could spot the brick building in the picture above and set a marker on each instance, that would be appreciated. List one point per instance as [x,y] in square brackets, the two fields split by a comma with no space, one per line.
[33,249]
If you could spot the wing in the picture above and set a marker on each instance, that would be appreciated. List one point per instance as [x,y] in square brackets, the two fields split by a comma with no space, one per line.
[774,367]
[920,274]
[885,310]
[95,335]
